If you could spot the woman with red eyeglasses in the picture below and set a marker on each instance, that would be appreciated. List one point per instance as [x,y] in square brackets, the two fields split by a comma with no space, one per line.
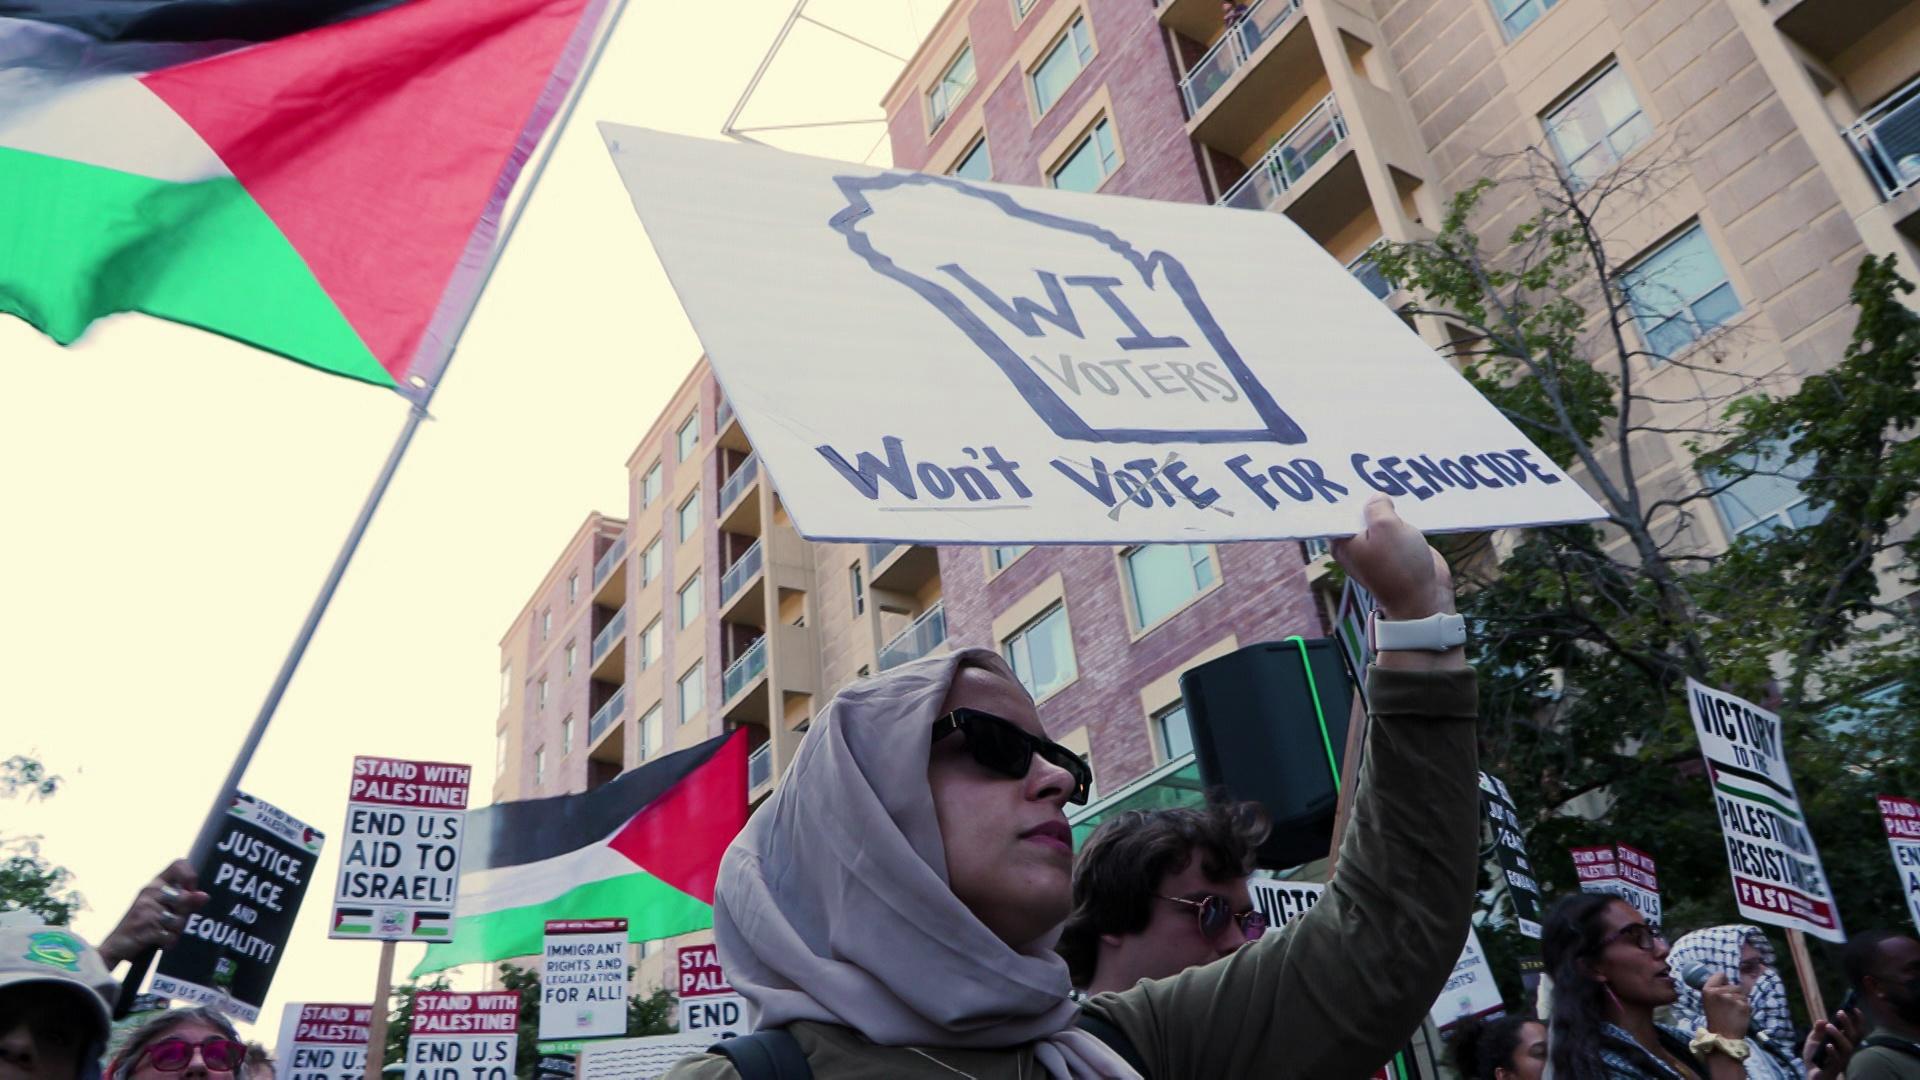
[184,1044]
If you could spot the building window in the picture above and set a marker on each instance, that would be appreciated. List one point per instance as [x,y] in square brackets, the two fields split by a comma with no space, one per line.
[693,691]
[859,589]
[1766,497]
[1162,577]
[539,766]
[689,436]
[650,562]
[543,694]
[650,732]
[650,644]
[689,516]
[573,654]
[546,624]
[1171,730]
[506,686]
[650,485]
[1517,15]
[566,736]
[1089,163]
[573,587]
[690,602]
[1067,59]
[1041,652]
[1598,126]
[1021,7]
[499,753]
[1679,292]
[974,164]
[1002,557]
[953,85]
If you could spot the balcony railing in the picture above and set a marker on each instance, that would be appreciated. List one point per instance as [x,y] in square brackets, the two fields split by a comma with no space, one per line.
[723,414]
[1282,167]
[1888,141]
[1370,275]
[744,670]
[605,716]
[1235,47]
[609,559]
[759,766]
[917,640]
[609,634]
[741,572]
[738,482]
[877,552]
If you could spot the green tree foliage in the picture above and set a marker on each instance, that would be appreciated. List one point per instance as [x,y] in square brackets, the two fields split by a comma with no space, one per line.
[1584,636]
[28,881]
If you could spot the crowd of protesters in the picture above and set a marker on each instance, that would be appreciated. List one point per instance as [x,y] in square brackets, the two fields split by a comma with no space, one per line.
[909,904]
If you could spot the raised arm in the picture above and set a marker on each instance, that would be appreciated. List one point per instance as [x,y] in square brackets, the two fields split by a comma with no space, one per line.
[1344,987]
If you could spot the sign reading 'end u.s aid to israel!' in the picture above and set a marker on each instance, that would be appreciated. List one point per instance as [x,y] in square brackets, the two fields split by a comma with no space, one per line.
[923,358]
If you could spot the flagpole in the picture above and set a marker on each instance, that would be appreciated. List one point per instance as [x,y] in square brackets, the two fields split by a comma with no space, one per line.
[230,787]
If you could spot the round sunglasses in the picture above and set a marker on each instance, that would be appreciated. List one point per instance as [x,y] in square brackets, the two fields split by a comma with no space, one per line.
[174,1054]
[1213,916]
[1004,747]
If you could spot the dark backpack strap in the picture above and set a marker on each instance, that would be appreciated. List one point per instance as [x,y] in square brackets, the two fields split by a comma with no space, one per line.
[773,1054]
[1108,1032]
[1888,1042]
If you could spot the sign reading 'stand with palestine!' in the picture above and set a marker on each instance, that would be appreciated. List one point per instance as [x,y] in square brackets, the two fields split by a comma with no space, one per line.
[1622,871]
[400,862]
[583,979]
[254,880]
[1902,819]
[324,1041]
[463,1036]
[708,1002]
[1777,876]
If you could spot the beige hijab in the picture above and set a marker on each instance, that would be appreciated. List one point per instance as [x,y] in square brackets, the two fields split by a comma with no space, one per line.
[833,903]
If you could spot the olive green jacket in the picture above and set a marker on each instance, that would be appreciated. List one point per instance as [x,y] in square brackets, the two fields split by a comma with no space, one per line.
[1332,996]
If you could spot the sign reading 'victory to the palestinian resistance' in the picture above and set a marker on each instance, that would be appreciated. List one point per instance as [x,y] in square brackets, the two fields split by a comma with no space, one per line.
[254,880]
[400,861]
[1040,365]
[1777,876]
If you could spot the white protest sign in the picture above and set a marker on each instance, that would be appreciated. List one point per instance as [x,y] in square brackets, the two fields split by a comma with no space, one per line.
[1902,819]
[1777,876]
[583,979]
[324,1041]
[639,1059]
[400,863]
[708,1003]
[1470,990]
[1035,365]
[1284,901]
[458,1035]
[1622,871]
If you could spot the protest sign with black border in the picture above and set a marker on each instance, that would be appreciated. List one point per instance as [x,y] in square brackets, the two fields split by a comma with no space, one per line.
[1510,852]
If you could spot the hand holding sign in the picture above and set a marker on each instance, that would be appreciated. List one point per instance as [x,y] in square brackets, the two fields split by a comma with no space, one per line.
[1396,564]
[158,913]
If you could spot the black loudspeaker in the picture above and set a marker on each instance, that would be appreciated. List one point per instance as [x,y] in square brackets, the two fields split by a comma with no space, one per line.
[1258,736]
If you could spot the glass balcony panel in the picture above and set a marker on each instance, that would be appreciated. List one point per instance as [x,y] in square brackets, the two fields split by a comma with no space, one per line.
[741,572]
[609,559]
[760,766]
[1313,138]
[917,640]
[740,480]
[609,634]
[604,717]
[743,670]
[1888,141]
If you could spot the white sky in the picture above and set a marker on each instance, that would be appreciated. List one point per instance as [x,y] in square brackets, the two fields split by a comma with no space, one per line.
[173,500]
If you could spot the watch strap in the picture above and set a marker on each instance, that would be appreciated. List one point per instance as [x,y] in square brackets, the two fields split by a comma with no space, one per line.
[1435,633]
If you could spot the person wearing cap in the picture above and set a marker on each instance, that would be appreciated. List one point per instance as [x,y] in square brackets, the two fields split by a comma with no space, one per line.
[56,1002]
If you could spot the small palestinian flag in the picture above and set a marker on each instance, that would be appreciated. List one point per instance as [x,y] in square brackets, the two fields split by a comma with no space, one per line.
[353,920]
[322,179]
[644,847]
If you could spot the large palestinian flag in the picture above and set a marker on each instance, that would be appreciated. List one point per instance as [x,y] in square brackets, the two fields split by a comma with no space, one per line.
[322,179]
[645,847]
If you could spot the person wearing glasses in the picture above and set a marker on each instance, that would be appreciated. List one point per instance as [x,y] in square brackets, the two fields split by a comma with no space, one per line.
[1610,970]
[1744,955]
[891,910]
[1156,892]
[190,1044]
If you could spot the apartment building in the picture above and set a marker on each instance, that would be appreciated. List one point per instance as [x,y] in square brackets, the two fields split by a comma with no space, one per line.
[703,611]
[1782,139]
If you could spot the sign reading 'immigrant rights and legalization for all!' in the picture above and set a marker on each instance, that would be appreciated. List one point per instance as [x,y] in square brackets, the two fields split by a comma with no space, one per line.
[1777,876]
[254,880]
[1510,853]
[583,979]
[1622,871]
[324,1041]
[458,1035]
[1470,991]
[1130,370]
[1902,819]
[400,861]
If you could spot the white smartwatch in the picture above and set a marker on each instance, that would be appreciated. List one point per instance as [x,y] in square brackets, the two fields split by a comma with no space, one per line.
[1435,633]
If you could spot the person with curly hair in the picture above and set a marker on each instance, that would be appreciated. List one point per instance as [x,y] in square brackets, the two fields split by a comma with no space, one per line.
[1504,1048]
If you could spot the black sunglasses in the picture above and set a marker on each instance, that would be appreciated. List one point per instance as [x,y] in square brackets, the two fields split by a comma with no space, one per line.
[1004,747]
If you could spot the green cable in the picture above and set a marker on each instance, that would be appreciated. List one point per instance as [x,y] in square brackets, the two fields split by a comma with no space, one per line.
[1400,1064]
[1319,714]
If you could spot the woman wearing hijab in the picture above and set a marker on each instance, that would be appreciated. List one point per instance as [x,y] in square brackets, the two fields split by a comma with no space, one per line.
[1742,954]
[895,903]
